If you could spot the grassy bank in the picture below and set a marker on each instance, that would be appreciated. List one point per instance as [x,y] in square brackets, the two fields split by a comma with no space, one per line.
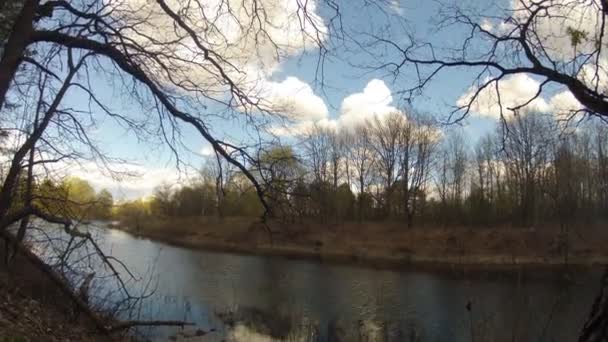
[383,243]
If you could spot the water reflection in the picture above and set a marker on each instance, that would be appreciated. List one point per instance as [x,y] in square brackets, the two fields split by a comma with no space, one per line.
[249,298]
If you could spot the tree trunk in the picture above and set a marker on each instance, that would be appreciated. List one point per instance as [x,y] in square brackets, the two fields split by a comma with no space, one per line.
[15,47]
[29,186]
[596,326]
[10,181]
[361,194]
[410,219]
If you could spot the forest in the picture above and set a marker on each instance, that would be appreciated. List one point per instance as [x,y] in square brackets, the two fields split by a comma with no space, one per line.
[528,172]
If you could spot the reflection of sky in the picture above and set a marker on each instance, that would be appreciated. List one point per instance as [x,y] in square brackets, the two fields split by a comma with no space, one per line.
[194,285]
[117,235]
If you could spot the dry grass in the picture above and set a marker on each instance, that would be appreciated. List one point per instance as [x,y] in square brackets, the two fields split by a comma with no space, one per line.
[389,242]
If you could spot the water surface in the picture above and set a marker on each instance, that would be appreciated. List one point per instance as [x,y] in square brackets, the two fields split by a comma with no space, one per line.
[270,298]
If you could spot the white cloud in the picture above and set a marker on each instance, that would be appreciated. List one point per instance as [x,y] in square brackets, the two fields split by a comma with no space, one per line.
[375,100]
[123,180]
[596,76]
[517,90]
[251,47]
[564,104]
[293,98]
[514,91]
[130,181]
[140,186]
[554,29]
[486,25]
[303,126]
[558,18]
[395,6]
[206,151]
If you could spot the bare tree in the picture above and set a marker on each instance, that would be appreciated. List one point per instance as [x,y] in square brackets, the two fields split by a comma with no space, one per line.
[486,179]
[317,149]
[458,162]
[418,146]
[403,148]
[174,75]
[336,155]
[221,174]
[560,42]
[526,146]
[195,62]
[601,146]
[361,157]
[385,136]
[452,171]
[21,199]
[163,199]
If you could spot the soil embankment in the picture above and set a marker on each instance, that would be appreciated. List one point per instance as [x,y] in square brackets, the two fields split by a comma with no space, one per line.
[32,308]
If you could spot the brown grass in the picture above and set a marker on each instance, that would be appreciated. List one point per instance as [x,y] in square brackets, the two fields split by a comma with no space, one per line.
[385,242]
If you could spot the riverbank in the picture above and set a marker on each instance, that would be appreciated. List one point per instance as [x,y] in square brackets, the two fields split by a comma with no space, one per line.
[385,244]
[32,308]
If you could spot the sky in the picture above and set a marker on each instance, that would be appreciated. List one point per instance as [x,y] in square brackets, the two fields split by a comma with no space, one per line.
[350,93]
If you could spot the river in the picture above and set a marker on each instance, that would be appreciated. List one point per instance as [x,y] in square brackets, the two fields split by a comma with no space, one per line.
[258,298]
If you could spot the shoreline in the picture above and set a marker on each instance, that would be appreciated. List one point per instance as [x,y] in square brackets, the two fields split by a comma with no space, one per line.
[380,260]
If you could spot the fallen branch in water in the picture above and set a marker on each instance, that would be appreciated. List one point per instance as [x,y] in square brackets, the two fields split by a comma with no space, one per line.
[130,324]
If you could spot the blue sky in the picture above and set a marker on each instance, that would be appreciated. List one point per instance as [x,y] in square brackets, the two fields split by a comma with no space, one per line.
[345,82]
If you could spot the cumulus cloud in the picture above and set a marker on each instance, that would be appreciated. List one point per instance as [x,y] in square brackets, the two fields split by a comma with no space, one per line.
[395,6]
[553,28]
[251,47]
[514,91]
[566,30]
[375,100]
[303,126]
[206,151]
[556,30]
[486,25]
[517,90]
[564,104]
[293,98]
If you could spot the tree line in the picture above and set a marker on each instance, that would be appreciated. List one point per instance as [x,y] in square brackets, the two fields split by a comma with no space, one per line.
[70,197]
[530,170]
